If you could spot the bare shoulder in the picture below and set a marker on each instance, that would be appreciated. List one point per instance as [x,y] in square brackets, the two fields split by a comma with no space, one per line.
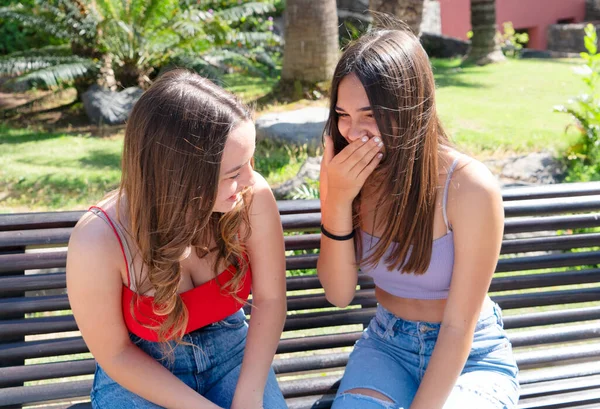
[264,215]
[261,191]
[92,241]
[263,201]
[474,195]
[473,181]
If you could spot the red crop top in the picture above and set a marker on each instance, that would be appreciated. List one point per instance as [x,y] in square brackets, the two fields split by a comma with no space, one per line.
[206,304]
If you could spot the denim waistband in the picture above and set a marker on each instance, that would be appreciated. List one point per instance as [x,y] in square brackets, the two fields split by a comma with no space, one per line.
[490,314]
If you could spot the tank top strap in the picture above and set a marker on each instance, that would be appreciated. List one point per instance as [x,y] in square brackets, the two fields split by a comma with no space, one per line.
[445,197]
[127,255]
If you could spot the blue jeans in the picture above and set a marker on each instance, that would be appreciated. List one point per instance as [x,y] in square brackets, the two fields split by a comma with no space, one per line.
[392,355]
[211,367]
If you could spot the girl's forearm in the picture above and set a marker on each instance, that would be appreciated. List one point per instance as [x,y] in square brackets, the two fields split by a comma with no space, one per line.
[139,373]
[266,324]
[447,362]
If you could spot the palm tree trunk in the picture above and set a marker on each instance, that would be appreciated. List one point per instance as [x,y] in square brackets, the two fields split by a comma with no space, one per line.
[409,11]
[484,49]
[311,46]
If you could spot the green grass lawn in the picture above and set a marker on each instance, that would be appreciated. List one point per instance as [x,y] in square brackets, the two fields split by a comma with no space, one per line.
[507,107]
[488,111]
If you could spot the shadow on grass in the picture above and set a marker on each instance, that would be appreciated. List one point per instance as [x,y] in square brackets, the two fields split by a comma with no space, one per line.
[451,73]
[12,138]
[102,159]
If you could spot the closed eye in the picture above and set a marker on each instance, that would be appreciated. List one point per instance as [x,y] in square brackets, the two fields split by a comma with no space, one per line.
[235,176]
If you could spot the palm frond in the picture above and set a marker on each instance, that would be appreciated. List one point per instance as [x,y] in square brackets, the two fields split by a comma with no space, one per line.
[199,65]
[191,23]
[75,17]
[53,76]
[10,65]
[230,58]
[20,15]
[158,12]
[110,9]
[252,38]
[62,50]
[235,14]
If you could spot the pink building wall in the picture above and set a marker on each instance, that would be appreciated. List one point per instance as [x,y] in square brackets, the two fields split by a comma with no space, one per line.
[534,15]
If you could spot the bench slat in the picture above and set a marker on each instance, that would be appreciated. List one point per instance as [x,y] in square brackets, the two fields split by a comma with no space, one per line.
[13,306]
[548,261]
[541,299]
[43,348]
[559,372]
[541,280]
[554,335]
[41,220]
[553,356]
[35,237]
[40,393]
[551,223]
[551,191]
[60,236]
[563,400]
[32,282]
[48,325]
[551,317]
[27,373]
[36,326]
[314,206]
[560,386]
[57,259]
[540,207]
[552,243]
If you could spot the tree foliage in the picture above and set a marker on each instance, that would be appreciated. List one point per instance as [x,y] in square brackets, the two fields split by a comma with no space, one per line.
[134,39]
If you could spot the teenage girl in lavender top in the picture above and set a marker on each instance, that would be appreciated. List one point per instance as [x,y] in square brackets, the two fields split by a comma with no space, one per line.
[425,222]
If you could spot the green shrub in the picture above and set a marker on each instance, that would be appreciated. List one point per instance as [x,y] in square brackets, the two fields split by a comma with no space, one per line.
[510,41]
[583,156]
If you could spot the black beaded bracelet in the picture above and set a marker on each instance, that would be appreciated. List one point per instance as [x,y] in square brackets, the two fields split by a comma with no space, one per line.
[335,237]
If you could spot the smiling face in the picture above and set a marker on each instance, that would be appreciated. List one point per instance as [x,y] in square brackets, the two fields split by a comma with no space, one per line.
[236,172]
[353,109]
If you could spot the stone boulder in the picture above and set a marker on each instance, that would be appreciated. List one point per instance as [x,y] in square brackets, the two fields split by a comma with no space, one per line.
[534,168]
[440,46]
[302,126]
[105,107]
[592,10]
[568,38]
[309,170]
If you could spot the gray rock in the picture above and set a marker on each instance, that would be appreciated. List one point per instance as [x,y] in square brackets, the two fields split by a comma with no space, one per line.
[529,53]
[303,126]
[526,170]
[440,46]
[106,107]
[568,38]
[309,170]
[592,10]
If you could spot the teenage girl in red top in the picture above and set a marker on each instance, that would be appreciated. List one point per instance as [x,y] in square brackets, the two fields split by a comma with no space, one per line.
[158,271]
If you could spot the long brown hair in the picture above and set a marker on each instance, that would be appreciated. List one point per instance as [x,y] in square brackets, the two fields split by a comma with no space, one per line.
[174,143]
[396,74]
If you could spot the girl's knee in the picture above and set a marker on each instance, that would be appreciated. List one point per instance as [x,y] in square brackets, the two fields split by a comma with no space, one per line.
[364,399]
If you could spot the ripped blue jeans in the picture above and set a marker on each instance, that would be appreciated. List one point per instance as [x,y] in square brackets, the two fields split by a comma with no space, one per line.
[392,355]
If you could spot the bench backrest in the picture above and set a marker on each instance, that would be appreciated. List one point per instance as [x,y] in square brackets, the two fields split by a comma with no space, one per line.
[547,275]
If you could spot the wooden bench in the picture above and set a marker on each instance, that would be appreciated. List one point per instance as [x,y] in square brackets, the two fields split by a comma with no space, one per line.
[546,282]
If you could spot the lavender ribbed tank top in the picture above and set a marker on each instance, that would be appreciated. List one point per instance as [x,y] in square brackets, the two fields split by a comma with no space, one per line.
[434,284]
